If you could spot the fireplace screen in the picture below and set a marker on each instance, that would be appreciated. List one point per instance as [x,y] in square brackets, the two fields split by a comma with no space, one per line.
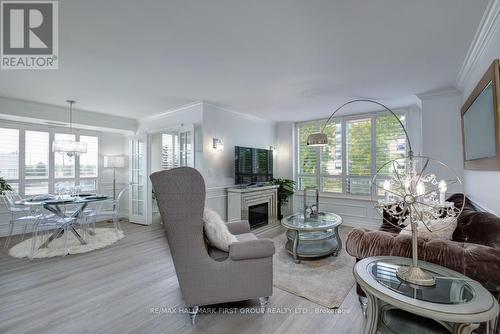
[258,215]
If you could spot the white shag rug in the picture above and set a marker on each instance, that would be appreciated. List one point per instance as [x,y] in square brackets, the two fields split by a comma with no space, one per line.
[103,237]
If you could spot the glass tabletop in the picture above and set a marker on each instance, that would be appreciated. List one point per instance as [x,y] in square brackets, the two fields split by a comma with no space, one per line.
[54,200]
[324,220]
[448,290]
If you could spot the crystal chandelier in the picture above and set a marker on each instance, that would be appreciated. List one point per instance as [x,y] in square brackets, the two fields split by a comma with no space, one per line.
[70,147]
[411,193]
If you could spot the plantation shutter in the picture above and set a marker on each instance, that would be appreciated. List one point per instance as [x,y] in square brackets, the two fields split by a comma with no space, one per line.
[307,157]
[37,155]
[9,154]
[359,155]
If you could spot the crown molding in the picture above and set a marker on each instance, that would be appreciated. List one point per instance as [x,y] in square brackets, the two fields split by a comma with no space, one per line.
[238,113]
[439,93]
[172,111]
[487,27]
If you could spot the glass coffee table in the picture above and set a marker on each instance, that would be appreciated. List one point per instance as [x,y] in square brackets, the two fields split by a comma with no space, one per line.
[312,237]
[455,304]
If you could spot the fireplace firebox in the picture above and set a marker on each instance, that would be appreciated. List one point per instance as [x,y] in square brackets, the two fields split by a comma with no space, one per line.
[258,215]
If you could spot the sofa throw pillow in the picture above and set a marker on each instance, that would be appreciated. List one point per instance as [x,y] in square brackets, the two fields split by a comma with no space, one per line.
[441,229]
[216,230]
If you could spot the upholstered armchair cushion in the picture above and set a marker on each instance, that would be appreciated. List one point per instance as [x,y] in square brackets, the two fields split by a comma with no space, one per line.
[238,227]
[478,262]
[251,249]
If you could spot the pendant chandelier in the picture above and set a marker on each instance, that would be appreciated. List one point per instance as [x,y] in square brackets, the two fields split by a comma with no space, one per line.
[409,191]
[70,147]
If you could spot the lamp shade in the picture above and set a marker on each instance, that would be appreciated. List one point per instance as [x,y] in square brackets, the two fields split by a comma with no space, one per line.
[114,161]
[69,146]
[317,139]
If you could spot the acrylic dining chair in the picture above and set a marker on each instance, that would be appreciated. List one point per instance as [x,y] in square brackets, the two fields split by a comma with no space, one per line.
[18,214]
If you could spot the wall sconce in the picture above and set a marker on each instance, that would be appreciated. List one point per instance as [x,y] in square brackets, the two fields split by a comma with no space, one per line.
[274,149]
[218,145]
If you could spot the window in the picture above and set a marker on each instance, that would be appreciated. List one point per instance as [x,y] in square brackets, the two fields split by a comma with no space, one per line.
[9,156]
[64,165]
[89,164]
[357,148]
[30,167]
[36,162]
[176,149]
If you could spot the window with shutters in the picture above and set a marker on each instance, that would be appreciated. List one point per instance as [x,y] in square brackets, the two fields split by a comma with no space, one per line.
[36,162]
[176,149]
[28,164]
[89,164]
[9,156]
[357,147]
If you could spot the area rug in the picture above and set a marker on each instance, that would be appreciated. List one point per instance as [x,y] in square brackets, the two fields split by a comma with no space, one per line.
[325,281]
[103,237]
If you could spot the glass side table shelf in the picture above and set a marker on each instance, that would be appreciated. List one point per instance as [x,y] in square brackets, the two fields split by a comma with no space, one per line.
[455,304]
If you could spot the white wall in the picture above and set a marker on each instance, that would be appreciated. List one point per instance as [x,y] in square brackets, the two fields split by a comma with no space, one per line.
[482,186]
[442,132]
[285,143]
[114,144]
[234,129]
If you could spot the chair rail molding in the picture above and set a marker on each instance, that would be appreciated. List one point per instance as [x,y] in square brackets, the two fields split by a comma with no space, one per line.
[487,27]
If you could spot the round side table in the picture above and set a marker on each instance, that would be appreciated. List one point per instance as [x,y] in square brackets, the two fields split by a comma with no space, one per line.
[312,237]
[456,304]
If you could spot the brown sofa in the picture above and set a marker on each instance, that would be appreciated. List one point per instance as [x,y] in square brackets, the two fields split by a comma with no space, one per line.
[473,251]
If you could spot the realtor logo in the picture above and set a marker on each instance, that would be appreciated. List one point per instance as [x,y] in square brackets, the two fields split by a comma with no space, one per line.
[29,35]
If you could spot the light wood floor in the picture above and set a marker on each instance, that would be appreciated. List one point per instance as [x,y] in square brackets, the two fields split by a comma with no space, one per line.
[113,290]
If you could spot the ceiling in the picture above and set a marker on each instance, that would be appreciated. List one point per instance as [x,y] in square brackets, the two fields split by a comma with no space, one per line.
[277,59]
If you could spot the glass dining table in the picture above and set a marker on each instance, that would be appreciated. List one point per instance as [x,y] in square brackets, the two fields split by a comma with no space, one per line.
[56,205]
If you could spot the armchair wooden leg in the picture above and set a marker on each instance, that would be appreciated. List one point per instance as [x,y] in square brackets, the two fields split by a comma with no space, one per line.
[193,311]
[264,302]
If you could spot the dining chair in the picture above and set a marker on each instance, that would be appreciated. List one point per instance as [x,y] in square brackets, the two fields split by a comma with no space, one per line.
[87,218]
[18,214]
[110,210]
[44,226]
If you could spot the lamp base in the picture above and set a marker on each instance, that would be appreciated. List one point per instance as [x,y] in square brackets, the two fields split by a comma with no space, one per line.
[416,276]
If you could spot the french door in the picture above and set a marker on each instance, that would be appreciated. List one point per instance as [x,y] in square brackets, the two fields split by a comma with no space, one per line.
[138,180]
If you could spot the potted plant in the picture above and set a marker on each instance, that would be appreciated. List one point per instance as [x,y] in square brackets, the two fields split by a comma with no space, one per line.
[285,190]
[4,186]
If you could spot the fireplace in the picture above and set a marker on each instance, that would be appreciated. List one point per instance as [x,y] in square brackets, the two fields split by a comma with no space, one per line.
[258,215]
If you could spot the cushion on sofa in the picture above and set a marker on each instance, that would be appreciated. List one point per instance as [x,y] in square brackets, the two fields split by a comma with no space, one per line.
[440,229]
[476,226]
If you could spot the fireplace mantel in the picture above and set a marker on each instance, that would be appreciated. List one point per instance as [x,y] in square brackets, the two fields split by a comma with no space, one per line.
[240,199]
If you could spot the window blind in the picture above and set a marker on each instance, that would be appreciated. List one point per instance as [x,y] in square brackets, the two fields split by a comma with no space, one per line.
[9,153]
[37,155]
[64,166]
[89,160]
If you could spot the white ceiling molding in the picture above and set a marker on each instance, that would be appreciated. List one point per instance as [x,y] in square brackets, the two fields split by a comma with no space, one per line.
[487,27]
[172,111]
[451,91]
[239,113]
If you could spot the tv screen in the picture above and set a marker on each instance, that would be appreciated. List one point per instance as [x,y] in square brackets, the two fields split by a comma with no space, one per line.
[479,127]
[253,165]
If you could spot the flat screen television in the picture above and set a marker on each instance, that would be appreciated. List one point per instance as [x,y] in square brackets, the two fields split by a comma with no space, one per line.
[252,165]
[480,123]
